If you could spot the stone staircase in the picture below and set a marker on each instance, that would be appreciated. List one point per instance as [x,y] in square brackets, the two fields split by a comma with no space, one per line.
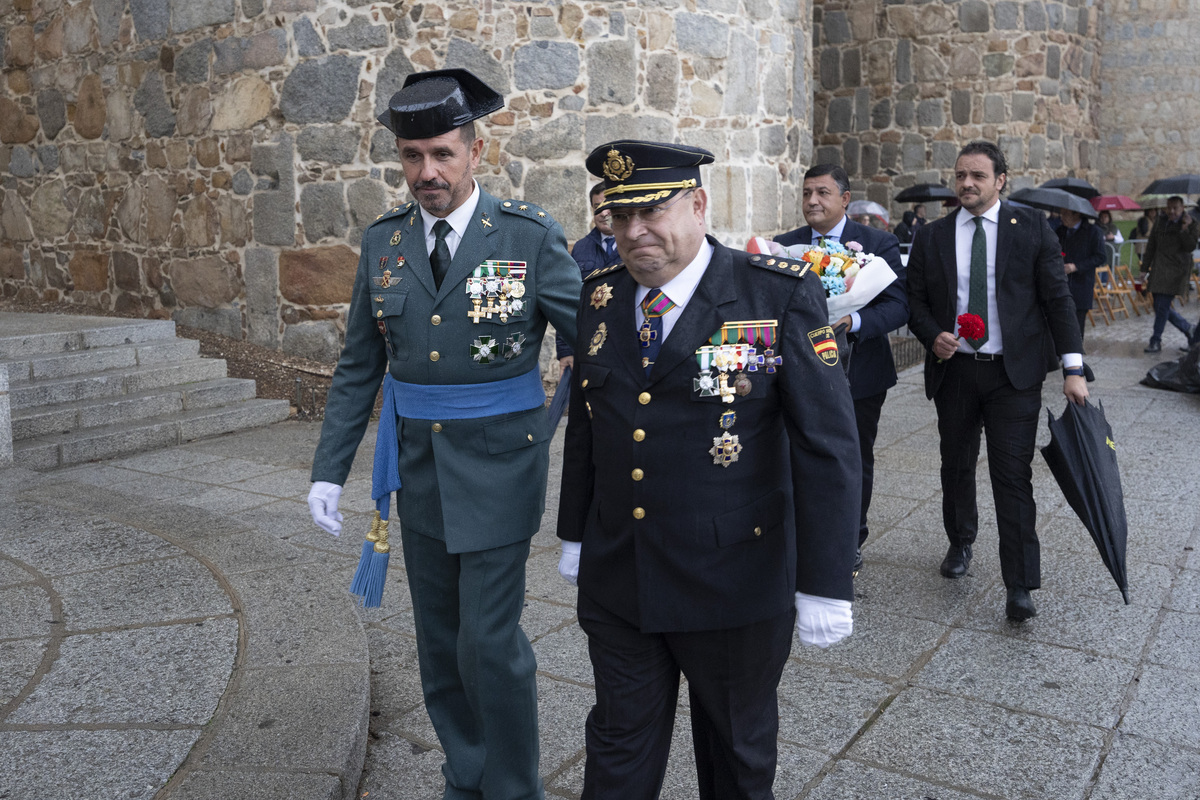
[88,388]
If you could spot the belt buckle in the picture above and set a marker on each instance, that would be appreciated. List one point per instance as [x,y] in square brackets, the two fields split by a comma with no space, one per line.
[987,356]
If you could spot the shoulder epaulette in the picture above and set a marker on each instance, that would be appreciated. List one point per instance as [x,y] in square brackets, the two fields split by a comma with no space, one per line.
[522,208]
[398,212]
[787,266]
[596,273]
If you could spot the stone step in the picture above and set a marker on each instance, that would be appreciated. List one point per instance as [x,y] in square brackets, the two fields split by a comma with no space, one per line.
[126,438]
[25,335]
[36,421]
[95,359]
[111,383]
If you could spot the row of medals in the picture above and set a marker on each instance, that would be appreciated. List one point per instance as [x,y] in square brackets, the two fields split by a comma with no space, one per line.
[726,447]
[502,293]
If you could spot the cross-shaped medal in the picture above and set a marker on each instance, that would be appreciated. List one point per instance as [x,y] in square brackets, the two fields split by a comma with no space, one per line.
[727,392]
[646,335]
[753,362]
[772,360]
[476,312]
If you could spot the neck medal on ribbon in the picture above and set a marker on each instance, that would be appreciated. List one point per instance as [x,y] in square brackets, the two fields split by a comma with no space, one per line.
[732,353]
[496,288]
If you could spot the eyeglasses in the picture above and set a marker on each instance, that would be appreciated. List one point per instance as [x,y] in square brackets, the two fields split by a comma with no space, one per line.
[648,214]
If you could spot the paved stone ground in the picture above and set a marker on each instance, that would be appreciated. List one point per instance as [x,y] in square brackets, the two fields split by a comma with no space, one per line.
[174,626]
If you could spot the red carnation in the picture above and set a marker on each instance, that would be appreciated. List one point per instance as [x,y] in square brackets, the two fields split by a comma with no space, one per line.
[970,326]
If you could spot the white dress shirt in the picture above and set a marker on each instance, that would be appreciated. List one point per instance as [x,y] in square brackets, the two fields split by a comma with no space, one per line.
[679,289]
[459,218]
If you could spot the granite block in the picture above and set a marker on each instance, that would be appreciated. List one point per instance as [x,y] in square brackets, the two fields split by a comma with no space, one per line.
[398,768]
[282,483]
[208,784]
[155,591]
[539,618]
[825,708]
[883,645]
[1084,574]
[1166,707]
[165,675]
[27,612]
[19,659]
[87,765]
[222,499]
[159,462]
[850,779]
[395,680]
[919,593]
[55,542]
[1185,594]
[224,471]
[924,550]
[975,746]
[1029,676]
[1139,768]
[564,655]
[1177,642]
[12,574]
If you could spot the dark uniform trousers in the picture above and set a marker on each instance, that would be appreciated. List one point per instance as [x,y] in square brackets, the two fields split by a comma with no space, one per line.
[732,677]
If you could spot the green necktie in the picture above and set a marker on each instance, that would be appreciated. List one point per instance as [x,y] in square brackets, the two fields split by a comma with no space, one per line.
[439,259]
[977,300]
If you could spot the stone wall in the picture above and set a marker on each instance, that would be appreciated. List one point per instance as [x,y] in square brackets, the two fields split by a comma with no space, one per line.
[902,84]
[1150,83]
[215,161]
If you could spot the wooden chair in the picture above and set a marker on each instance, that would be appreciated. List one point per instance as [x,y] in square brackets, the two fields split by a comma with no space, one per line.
[1107,295]
[1125,280]
[1101,298]
[1119,290]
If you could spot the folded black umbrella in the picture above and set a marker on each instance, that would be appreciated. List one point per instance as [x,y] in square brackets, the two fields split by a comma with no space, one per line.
[1076,186]
[925,193]
[1053,200]
[1177,184]
[558,403]
[1180,375]
[1082,456]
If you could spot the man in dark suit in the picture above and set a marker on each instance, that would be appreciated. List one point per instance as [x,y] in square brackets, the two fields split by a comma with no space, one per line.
[451,299]
[597,249]
[1004,265]
[1082,251]
[872,370]
[710,483]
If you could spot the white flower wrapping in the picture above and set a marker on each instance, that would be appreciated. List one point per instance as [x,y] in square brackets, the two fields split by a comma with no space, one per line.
[872,277]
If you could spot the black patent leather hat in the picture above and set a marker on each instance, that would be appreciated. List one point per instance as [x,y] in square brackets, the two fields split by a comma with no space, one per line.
[432,103]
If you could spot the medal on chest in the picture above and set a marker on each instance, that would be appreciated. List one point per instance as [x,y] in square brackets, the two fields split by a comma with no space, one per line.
[497,288]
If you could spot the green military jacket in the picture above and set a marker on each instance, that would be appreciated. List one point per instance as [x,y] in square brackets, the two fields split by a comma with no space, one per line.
[475,483]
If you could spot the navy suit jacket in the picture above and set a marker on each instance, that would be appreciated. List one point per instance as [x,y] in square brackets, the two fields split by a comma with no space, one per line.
[1037,315]
[872,368]
[1085,249]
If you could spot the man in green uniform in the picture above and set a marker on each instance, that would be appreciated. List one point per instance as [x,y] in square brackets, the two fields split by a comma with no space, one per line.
[451,299]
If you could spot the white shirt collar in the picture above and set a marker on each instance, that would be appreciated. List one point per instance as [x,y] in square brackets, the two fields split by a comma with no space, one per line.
[834,233]
[459,218]
[992,215]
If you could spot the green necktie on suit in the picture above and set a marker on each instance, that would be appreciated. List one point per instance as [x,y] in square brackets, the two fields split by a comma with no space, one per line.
[439,259]
[977,299]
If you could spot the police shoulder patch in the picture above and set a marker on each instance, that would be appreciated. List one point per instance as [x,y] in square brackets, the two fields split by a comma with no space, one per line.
[523,208]
[786,266]
[597,273]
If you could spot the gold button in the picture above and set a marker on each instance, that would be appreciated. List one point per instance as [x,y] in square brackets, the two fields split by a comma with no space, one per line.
[379,313]
[757,531]
[435,355]
[638,474]
[584,384]
[437,427]
[639,513]
[529,436]
[437,319]
[644,398]
[639,435]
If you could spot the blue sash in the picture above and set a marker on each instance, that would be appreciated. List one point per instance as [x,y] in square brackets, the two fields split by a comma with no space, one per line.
[441,401]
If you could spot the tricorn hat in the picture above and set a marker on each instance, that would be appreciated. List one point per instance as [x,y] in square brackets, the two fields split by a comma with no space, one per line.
[640,173]
[432,103]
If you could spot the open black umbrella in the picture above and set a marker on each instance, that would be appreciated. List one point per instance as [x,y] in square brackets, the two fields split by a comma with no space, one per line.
[1179,184]
[1053,200]
[558,403]
[1083,459]
[1076,186]
[925,193]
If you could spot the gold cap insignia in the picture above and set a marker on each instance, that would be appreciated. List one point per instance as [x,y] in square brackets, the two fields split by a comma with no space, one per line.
[617,167]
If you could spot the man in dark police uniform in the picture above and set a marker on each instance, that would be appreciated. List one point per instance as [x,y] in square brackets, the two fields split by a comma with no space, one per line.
[710,486]
[451,299]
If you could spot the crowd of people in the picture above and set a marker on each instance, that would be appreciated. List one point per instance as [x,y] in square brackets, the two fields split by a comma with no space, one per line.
[718,457]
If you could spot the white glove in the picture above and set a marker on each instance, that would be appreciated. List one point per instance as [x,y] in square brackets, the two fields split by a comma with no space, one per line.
[568,564]
[322,503]
[821,621]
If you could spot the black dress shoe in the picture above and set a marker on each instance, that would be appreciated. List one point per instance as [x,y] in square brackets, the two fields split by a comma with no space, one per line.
[858,564]
[1020,605]
[957,559]
[1154,347]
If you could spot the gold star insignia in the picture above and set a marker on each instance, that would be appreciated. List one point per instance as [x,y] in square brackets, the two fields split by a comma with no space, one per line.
[523,207]
[541,213]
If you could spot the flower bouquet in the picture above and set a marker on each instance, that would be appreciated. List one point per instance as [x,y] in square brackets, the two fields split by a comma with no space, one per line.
[851,277]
